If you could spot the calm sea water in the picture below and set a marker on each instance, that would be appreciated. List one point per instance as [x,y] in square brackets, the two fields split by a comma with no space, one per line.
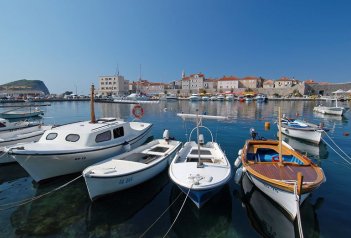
[237,211]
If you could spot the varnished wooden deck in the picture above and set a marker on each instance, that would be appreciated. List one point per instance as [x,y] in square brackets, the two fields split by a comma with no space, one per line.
[286,172]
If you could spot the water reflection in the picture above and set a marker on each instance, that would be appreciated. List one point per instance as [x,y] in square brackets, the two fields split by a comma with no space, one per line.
[212,220]
[270,220]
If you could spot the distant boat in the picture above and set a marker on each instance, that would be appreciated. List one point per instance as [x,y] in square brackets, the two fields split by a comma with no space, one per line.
[171,97]
[229,97]
[213,98]
[261,97]
[339,111]
[6,125]
[205,98]
[14,114]
[137,97]
[194,97]
[220,97]
[200,169]
[131,168]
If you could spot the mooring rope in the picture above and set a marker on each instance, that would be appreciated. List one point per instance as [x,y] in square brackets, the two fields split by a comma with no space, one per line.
[28,200]
[297,197]
[337,145]
[181,208]
[336,152]
[142,235]
[3,154]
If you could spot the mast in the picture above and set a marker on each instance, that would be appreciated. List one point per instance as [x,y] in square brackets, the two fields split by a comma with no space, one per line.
[199,163]
[92,112]
[280,138]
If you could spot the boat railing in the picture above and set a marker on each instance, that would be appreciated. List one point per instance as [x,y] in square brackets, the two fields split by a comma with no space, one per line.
[104,126]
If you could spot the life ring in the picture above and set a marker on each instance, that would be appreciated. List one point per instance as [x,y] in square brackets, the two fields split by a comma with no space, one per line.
[138,111]
[275,158]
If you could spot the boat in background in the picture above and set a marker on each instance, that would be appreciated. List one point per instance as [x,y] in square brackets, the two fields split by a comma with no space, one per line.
[171,97]
[279,171]
[194,97]
[261,97]
[205,98]
[220,97]
[137,97]
[198,169]
[213,98]
[229,97]
[302,129]
[131,168]
[339,111]
[17,114]
[6,125]
[72,147]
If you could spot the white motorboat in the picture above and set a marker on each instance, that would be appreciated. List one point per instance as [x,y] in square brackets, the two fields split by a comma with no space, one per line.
[213,98]
[205,98]
[302,130]
[137,97]
[339,111]
[171,97]
[200,169]
[131,168]
[220,97]
[229,97]
[194,97]
[261,97]
[6,125]
[17,137]
[72,147]
[14,114]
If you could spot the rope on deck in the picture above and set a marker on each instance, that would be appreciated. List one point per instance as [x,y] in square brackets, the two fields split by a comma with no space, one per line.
[297,197]
[28,200]
[142,235]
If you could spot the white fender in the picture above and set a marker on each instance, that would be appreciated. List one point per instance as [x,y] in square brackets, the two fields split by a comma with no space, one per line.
[238,175]
[237,162]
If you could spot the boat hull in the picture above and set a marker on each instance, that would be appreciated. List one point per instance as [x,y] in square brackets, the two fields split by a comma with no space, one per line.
[285,199]
[308,135]
[21,115]
[99,186]
[45,166]
[339,111]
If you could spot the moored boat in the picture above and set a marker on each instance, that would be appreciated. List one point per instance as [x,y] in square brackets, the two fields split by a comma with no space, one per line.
[280,172]
[72,147]
[6,125]
[131,168]
[336,110]
[14,114]
[200,169]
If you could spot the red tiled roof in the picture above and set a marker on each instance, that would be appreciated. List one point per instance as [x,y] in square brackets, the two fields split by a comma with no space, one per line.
[249,78]
[228,78]
[268,82]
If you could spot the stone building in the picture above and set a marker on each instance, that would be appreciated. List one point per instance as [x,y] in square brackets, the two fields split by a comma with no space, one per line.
[250,82]
[227,83]
[193,82]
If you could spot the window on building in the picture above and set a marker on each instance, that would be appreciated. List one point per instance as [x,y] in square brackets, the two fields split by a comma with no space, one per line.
[104,136]
[72,137]
[118,132]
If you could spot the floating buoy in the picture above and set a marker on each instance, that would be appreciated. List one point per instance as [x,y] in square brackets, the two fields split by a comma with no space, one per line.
[346,134]
[267,125]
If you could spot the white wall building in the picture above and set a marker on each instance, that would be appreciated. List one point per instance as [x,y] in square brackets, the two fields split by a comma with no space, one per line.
[113,85]
[228,83]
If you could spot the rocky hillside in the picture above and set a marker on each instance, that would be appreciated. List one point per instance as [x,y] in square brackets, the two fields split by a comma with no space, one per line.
[27,85]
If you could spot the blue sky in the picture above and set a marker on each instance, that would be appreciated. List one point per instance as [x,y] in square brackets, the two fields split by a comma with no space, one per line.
[69,43]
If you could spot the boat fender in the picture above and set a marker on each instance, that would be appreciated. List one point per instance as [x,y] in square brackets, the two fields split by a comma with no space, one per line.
[165,135]
[237,162]
[240,152]
[126,146]
[209,179]
[244,170]
[238,175]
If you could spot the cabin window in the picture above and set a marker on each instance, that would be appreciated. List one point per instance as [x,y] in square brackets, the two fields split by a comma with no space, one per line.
[104,136]
[2,124]
[51,136]
[118,132]
[72,137]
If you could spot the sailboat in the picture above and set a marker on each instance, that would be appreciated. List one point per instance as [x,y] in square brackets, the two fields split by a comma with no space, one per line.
[279,171]
[198,169]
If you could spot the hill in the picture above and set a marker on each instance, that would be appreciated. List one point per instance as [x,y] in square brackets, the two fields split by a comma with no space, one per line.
[25,85]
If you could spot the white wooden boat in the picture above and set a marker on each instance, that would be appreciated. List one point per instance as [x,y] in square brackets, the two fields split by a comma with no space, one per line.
[71,148]
[280,172]
[6,125]
[338,111]
[200,169]
[302,130]
[131,168]
[14,114]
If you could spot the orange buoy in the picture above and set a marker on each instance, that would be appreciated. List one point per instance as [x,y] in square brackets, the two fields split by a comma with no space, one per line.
[267,125]
[346,134]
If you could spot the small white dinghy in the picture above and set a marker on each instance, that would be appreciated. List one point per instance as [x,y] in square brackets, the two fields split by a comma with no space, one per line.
[200,169]
[131,168]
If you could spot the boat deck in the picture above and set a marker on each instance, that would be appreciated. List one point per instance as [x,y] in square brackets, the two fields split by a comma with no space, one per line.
[286,172]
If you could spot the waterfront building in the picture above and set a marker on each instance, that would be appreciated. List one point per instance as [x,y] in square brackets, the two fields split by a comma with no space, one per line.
[193,82]
[286,82]
[113,85]
[251,82]
[268,83]
[227,83]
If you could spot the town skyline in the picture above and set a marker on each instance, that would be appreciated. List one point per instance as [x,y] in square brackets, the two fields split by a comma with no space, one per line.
[69,44]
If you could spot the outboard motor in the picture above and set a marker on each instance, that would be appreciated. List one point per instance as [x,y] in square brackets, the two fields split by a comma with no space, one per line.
[201,139]
[253,133]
